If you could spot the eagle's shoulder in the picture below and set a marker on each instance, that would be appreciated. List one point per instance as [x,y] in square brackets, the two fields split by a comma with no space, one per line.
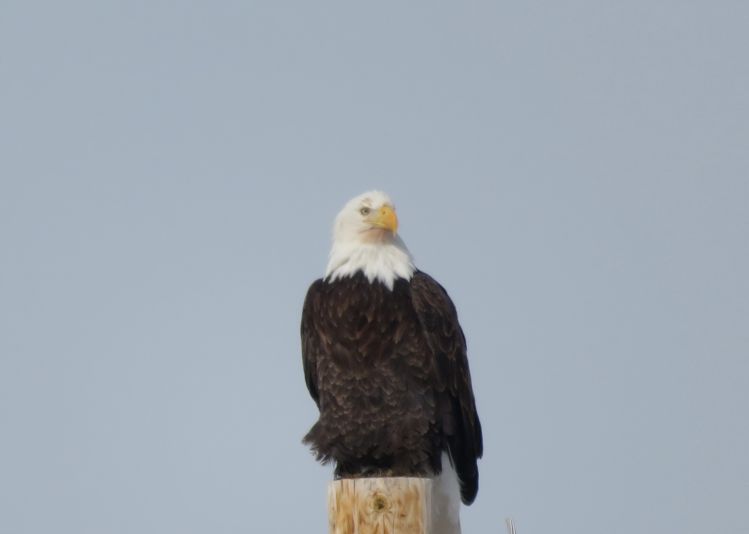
[427,292]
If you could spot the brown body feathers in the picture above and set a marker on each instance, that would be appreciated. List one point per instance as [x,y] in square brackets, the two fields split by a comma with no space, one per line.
[389,373]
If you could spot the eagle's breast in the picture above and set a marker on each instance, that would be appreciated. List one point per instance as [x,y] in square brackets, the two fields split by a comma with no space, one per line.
[375,377]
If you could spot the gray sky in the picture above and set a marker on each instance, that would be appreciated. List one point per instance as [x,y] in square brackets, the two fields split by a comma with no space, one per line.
[575,174]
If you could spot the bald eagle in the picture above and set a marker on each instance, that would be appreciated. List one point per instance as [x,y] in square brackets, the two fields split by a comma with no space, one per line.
[384,359]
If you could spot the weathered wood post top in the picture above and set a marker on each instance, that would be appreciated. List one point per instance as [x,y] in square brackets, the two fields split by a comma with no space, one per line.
[394,505]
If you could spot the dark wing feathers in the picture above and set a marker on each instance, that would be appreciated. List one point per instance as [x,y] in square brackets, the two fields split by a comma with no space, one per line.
[311,339]
[460,422]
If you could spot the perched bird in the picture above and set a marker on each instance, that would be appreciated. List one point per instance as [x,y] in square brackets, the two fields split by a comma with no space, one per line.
[385,361]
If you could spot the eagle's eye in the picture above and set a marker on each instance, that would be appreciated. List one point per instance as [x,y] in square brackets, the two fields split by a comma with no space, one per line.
[365,211]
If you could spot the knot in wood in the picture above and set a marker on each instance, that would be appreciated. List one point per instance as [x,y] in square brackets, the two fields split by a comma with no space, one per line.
[380,502]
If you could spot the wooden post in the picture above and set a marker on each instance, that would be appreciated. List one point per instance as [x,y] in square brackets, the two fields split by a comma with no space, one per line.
[397,505]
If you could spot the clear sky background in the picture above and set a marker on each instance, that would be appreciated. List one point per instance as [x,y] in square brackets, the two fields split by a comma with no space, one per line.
[575,173]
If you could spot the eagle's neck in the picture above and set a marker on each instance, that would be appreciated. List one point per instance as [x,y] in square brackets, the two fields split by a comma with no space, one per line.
[385,262]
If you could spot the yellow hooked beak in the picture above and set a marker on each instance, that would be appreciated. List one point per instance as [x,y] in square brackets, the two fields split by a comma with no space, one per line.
[385,218]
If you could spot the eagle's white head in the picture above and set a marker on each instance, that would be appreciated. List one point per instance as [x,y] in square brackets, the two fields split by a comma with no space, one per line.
[365,239]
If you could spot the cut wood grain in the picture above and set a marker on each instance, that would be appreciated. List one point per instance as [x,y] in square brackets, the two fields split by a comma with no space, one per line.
[395,505]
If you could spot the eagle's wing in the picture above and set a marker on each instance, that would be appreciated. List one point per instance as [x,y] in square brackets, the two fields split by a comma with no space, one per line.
[460,422]
[310,339]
